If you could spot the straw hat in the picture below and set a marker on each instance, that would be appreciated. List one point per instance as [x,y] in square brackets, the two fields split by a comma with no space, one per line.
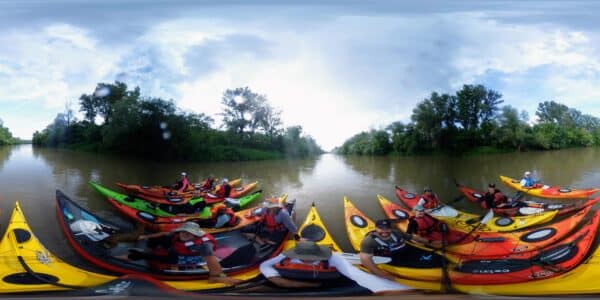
[190,227]
[308,251]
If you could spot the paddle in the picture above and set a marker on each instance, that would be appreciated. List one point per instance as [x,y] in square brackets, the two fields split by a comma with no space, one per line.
[354,258]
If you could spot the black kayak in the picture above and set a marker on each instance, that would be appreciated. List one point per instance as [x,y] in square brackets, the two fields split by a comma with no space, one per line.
[88,235]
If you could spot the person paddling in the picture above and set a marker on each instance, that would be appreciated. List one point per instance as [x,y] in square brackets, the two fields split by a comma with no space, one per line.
[223,216]
[225,190]
[183,184]
[311,265]
[527,181]
[424,225]
[186,246]
[429,200]
[384,241]
[494,198]
[275,221]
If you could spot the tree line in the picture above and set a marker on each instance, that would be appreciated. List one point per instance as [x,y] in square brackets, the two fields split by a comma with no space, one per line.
[119,120]
[473,120]
[6,137]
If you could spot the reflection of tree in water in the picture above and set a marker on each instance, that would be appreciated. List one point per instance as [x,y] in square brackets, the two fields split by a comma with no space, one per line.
[72,170]
[5,152]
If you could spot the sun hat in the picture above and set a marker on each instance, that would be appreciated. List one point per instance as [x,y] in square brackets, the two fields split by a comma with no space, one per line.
[190,227]
[427,189]
[225,180]
[183,174]
[527,173]
[308,251]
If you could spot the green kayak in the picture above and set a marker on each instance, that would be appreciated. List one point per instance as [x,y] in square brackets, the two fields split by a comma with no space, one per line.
[196,207]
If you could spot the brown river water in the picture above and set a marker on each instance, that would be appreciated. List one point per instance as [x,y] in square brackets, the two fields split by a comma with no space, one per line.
[31,176]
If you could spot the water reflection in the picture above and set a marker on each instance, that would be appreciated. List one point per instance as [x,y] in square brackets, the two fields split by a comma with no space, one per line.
[31,175]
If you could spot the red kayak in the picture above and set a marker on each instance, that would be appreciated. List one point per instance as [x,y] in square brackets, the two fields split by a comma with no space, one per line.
[522,208]
[523,243]
[167,196]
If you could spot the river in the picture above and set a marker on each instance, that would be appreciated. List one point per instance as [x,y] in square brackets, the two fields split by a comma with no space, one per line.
[31,176]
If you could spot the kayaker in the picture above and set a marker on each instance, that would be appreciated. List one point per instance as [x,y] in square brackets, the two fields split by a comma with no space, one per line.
[429,200]
[494,198]
[275,221]
[182,184]
[222,216]
[423,225]
[208,184]
[311,265]
[184,246]
[384,241]
[527,181]
[224,190]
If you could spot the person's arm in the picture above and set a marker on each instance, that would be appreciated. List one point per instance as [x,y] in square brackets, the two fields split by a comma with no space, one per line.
[284,217]
[222,220]
[367,261]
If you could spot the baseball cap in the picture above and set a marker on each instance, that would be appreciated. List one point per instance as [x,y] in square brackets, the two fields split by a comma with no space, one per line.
[383,223]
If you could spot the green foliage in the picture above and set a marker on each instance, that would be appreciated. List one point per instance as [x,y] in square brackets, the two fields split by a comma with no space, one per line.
[6,137]
[158,129]
[472,122]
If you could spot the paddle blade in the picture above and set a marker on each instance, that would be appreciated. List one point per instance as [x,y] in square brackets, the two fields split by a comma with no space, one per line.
[488,217]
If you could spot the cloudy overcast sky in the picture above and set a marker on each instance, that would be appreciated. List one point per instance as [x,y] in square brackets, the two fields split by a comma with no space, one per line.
[334,67]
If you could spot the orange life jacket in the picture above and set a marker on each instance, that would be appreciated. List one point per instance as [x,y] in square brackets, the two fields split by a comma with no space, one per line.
[233,219]
[267,221]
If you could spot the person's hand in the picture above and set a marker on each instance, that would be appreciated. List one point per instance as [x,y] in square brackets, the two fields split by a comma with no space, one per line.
[142,237]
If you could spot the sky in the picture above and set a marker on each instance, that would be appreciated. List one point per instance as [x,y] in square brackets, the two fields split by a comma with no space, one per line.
[334,67]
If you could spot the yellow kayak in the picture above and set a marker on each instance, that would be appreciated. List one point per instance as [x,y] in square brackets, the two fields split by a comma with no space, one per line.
[358,225]
[552,192]
[23,260]
[463,221]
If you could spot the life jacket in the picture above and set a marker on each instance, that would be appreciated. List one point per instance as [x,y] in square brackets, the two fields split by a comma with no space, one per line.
[302,271]
[431,201]
[268,223]
[207,184]
[425,225]
[499,198]
[387,247]
[224,190]
[183,184]
[183,248]
[233,219]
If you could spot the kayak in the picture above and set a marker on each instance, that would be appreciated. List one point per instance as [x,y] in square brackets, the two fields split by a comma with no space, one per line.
[27,266]
[174,197]
[581,280]
[521,244]
[522,208]
[463,221]
[549,262]
[161,191]
[155,223]
[358,225]
[90,235]
[195,207]
[545,191]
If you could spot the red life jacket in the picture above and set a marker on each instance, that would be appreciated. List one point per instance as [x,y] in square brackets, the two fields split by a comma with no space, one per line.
[207,184]
[267,221]
[426,225]
[233,219]
[183,248]
[499,198]
[224,190]
[302,271]
[185,184]
[431,201]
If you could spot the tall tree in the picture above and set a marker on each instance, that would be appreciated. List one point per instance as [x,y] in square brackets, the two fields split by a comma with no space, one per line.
[240,104]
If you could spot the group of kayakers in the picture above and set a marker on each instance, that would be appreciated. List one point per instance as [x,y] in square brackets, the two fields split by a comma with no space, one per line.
[296,267]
